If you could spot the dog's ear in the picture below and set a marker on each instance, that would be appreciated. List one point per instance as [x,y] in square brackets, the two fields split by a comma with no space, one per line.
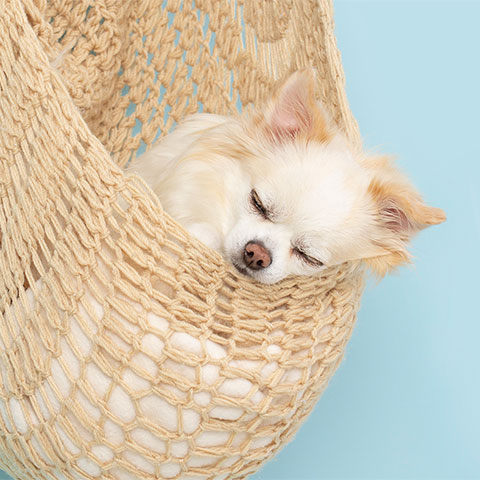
[399,214]
[293,110]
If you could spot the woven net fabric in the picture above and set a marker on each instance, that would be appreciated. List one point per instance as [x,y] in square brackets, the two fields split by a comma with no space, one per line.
[128,349]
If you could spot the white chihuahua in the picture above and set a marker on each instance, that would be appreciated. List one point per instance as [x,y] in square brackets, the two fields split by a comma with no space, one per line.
[281,192]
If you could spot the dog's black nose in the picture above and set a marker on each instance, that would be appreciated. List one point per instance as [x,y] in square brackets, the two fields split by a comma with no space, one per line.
[256,256]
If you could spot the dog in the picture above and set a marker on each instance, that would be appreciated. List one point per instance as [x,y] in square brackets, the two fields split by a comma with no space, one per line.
[281,192]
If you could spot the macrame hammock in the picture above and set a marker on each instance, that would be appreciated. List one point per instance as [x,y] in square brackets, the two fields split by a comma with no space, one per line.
[128,350]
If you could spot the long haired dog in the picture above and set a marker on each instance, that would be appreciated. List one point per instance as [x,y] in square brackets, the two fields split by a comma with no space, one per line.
[281,192]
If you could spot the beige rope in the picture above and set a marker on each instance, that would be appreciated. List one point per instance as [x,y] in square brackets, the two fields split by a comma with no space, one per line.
[136,352]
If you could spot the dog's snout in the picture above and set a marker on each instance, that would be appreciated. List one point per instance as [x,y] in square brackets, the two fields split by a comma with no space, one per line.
[256,256]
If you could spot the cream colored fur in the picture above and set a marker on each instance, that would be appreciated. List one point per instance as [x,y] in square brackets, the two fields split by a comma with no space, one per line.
[326,202]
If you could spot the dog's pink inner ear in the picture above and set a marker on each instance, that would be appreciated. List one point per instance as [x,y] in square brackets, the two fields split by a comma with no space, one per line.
[291,115]
[395,204]
[401,209]
[292,111]
[395,219]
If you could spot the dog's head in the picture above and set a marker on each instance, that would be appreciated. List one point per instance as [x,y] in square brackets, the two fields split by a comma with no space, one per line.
[310,201]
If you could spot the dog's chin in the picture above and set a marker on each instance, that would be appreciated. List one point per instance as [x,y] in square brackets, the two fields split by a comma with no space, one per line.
[243,270]
[257,275]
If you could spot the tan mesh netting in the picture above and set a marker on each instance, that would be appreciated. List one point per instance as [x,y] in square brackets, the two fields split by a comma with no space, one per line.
[128,349]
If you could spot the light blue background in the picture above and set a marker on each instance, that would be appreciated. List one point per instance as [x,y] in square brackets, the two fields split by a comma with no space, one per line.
[405,403]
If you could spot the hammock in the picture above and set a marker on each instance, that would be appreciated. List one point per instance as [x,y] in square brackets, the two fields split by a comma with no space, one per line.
[127,348]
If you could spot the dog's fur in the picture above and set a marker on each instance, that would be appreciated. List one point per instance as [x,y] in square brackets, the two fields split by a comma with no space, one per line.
[285,179]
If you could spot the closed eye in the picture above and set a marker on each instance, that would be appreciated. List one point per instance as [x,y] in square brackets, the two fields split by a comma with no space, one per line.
[314,262]
[258,205]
